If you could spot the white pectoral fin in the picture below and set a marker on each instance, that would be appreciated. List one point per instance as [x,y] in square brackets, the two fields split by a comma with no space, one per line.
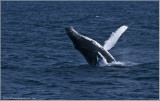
[101,61]
[108,44]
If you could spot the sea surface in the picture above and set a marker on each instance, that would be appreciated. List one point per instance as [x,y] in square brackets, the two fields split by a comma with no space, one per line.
[39,62]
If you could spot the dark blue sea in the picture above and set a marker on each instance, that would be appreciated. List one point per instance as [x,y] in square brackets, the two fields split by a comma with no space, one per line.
[39,62]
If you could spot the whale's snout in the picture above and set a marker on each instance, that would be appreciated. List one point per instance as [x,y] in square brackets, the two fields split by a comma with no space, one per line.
[74,35]
[68,29]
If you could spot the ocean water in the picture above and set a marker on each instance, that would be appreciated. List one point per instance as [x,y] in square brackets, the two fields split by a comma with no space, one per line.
[38,60]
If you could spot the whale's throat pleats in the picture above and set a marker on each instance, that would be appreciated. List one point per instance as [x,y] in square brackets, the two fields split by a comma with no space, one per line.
[90,56]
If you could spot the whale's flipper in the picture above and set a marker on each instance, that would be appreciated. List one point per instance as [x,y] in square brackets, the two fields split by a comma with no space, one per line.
[108,44]
[101,61]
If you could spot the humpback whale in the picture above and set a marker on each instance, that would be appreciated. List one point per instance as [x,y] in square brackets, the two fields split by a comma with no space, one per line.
[91,49]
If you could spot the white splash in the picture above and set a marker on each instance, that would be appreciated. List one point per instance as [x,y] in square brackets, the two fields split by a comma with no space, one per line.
[123,64]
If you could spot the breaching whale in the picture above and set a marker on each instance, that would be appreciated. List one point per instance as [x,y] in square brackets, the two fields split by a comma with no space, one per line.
[91,49]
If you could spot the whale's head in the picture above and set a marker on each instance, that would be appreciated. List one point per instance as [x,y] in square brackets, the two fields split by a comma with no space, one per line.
[69,30]
[73,35]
